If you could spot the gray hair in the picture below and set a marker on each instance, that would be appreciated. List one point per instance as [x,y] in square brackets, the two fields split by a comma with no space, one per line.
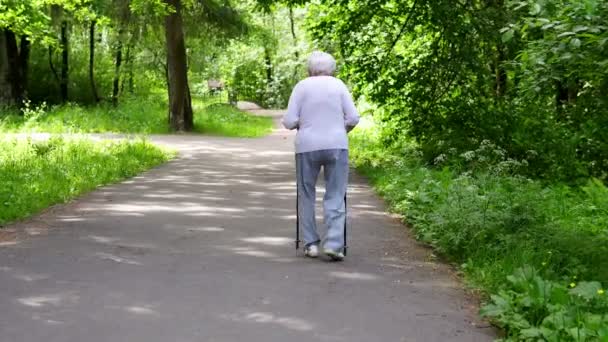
[321,64]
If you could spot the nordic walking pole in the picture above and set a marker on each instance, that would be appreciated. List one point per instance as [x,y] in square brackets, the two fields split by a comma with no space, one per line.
[297,208]
[345,220]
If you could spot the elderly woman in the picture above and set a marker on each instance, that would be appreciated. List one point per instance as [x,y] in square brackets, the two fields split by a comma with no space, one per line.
[321,108]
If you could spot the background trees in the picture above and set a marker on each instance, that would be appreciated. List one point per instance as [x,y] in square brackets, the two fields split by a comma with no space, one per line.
[528,76]
[87,51]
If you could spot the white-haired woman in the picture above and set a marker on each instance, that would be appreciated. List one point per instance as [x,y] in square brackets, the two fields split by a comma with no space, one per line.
[321,108]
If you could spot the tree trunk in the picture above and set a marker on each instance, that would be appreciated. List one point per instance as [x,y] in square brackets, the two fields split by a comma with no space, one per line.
[566,94]
[92,60]
[295,43]
[115,89]
[128,80]
[53,70]
[180,106]
[64,61]
[7,97]
[500,85]
[293,32]
[24,59]
[268,62]
[13,68]
[13,62]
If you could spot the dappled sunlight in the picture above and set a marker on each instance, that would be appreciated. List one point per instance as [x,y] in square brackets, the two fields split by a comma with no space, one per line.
[268,240]
[117,259]
[206,229]
[182,208]
[49,322]
[445,283]
[142,310]
[398,266]
[249,252]
[292,323]
[120,243]
[353,275]
[71,218]
[8,243]
[31,277]
[103,239]
[56,299]
[285,260]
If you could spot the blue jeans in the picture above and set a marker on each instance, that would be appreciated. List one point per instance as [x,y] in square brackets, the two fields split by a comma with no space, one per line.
[335,169]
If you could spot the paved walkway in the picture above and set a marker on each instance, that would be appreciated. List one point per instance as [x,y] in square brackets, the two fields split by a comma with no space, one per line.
[201,249]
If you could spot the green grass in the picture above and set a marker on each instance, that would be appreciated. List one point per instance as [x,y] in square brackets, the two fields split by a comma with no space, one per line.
[143,115]
[35,175]
[225,120]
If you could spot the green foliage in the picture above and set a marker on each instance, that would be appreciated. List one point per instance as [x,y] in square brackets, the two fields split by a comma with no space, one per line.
[491,221]
[36,174]
[265,67]
[249,81]
[25,17]
[531,308]
[527,76]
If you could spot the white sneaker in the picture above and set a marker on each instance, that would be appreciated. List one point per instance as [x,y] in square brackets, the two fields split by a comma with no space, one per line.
[311,251]
[333,254]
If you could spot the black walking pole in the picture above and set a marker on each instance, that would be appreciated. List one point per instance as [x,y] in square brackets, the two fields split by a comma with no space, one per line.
[297,208]
[345,222]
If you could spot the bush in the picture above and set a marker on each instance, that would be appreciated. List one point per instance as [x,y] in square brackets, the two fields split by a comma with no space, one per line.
[488,220]
[530,308]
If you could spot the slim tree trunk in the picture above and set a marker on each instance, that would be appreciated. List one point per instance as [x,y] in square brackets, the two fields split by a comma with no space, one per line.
[180,106]
[13,66]
[24,59]
[124,17]
[16,60]
[64,61]
[293,32]
[92,60]
[565,95]
[7,95]
[128,65]
[500,72]
[116,83]
[51,66]
[268,62]
[295,43]
[131,86]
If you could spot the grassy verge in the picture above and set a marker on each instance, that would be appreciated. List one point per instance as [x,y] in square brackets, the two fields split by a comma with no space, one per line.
[35,175]
[144,115]
[225,120]
[540,251]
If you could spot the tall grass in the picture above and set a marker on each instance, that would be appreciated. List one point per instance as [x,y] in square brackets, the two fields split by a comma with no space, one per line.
[34,175]
[225,120]
[145,115]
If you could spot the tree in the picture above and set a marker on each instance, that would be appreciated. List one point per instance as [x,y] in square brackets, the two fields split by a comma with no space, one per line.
[180,106]
[16,36]
[123,17]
